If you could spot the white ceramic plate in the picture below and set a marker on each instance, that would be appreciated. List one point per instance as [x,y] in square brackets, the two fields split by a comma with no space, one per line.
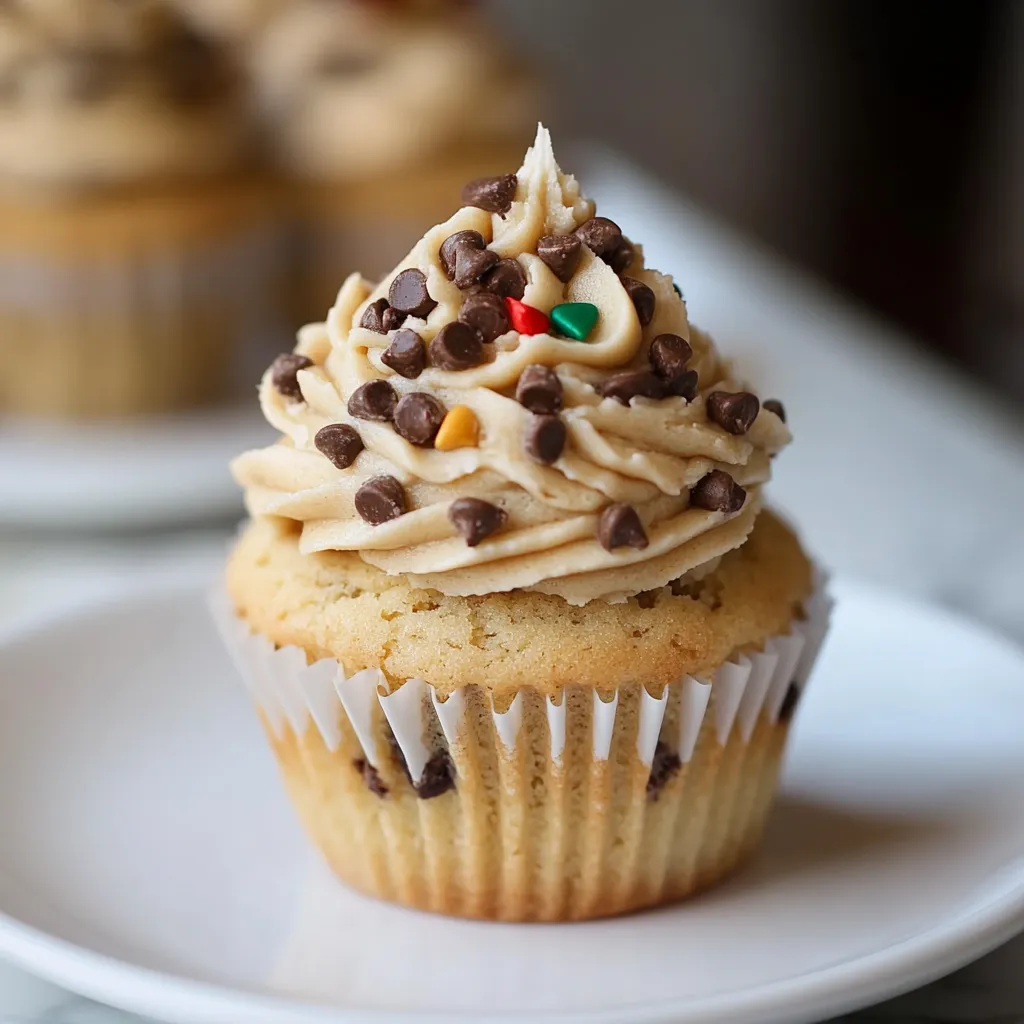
[148,858]
[150,472]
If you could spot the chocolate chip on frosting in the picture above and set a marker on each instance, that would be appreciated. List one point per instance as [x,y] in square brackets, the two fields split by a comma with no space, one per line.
[506,279]
[472,264]
[408,294]
[733,412]
[340,443]
[620,527]
[380,499]
[685,385]
[669,355]
[373,316]
[643,299]
[284,374]
[561,254]
[622,259]
[476,519]
[485,313]
[457,346]
[450,249]
[633,384]
[374,400]
[775,406]
[418,418]
[495,195]
[544,439]
[540,390]
[601,235]
[406,355]
[718,492]
[392,319]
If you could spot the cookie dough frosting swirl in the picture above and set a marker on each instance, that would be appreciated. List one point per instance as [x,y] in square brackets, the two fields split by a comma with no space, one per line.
[521,404]
[100,91]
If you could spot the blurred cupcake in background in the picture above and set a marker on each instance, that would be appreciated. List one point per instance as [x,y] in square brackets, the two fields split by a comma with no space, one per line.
[233,22]
[379,113]
[135,246]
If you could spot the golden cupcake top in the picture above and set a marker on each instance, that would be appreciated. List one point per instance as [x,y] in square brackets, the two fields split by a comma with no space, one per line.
[353,88]
[520,404]
[101,91]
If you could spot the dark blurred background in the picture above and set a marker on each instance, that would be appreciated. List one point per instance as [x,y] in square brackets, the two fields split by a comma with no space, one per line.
[880,145]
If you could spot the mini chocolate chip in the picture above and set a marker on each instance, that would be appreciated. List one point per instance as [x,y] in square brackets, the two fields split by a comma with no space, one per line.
[340,443]
[624,386]
[733,412]
[718,492]
[380,499]
[494,195]
[619,527]
[485,313]
[284,374]
[544,439]
[669,355]
[406,355]
[471,264]
[507,279]
[540,390]
[418,418]
[476,519]
[451,245]
[392,319]
[775,406]
[643,299]
[685,385]
[373,316]
[601,235]
[371,777]
[374,400]
[789,703]
[408,294]
[561,253]
[664,765]
[457,346]
[622,259]
[437,778]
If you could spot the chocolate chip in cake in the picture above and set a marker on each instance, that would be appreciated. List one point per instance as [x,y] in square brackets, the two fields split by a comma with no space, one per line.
[669,355]
[540,390]
[373,316]
[340,443]
[495,195]
[664,766]
[643,299]
[544,439]
[451,245]
[561,254]
[418,418]
[718,492]
[371,777]
[601,235]
[485,313]
[380,499]
[685,385]
[472,264]
[507,279]
[633,384]
[733,412]
[438,776]
[374,400]
[476,519]
[789,703]
[775,406]
[408,294]
[457,346]
[620,527]
[284,374]
[406,355]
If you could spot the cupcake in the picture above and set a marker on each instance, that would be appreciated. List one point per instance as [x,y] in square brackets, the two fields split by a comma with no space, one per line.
[377,114]
[134,238]
[524,638]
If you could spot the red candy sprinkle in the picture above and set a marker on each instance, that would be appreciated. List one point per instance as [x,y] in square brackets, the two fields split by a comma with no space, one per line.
[525,319]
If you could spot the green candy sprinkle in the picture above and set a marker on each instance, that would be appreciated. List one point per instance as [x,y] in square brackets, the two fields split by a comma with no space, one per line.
[677,289]
[574,319]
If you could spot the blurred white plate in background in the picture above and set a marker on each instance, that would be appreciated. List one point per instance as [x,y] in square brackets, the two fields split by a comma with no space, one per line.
[148,858]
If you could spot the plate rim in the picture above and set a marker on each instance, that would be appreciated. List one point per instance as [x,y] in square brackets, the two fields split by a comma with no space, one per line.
[991,918]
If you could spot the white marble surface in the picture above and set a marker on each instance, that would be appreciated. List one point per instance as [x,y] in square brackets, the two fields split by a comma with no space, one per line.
[902,473]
